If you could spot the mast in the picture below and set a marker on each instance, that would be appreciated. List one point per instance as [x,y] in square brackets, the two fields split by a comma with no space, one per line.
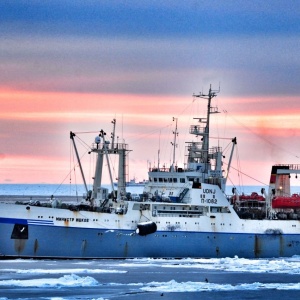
[158,152]
[210,110]
[175,133]
[113,134]
[204,160]
[105,146]
[98,169]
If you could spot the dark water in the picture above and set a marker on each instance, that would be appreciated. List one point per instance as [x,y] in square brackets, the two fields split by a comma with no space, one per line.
[229,278]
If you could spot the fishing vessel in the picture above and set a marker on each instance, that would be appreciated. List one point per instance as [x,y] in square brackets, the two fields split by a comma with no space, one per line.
[182,212]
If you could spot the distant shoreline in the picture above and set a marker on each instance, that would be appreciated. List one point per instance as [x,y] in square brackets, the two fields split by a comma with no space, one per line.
[36,197]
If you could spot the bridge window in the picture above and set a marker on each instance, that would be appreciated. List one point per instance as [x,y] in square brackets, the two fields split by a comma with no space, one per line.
[216,209]
[219,209]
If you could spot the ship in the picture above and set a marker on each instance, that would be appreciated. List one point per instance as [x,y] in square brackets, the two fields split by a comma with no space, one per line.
[133,183]
[182,211]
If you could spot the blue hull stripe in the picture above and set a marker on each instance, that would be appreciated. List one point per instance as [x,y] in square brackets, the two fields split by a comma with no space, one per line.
[25,222]
[13,221]
[39,222]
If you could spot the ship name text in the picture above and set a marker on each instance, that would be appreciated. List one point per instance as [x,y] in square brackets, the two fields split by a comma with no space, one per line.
[208,196]
[71,219]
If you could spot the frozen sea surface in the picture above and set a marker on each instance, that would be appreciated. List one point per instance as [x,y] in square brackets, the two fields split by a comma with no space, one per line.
[227,278]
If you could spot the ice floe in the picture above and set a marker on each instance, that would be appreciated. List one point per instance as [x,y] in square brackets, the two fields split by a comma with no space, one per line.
[63,271]
[280,265]
[173,286]
[65,281]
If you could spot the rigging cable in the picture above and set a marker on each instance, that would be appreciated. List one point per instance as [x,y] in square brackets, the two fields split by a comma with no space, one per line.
[259,136]
[72,168]
[246,175]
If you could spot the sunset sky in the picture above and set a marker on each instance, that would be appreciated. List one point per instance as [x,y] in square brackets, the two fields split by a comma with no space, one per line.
[75,65]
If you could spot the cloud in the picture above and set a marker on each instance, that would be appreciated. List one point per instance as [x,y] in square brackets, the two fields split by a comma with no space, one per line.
[155,47]
[76,65]
[244,66]
[149,19]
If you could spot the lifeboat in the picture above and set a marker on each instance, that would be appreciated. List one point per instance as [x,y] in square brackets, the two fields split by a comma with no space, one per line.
[286,202]
[253,197]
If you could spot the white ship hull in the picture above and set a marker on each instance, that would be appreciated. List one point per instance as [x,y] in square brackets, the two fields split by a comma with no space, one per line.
[33,231]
